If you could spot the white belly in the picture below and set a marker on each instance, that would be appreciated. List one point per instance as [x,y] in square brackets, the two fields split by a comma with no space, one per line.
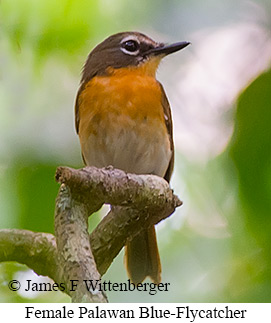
[140,149]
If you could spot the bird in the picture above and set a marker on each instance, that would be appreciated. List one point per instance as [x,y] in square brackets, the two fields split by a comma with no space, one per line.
[123,119]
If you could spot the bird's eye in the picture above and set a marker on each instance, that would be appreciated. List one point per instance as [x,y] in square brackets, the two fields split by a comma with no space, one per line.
[130,45]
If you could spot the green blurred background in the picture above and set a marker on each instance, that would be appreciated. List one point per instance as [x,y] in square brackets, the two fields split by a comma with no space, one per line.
[217,246]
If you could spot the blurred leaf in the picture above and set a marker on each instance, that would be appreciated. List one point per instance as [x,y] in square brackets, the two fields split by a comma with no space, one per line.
[251,153]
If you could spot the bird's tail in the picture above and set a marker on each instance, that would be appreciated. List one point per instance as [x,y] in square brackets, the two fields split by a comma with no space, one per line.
[142,257]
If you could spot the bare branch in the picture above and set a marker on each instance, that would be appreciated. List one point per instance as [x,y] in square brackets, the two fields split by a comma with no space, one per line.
[115,187]
[149,198]
[37,250]
[76,261]
[138,201]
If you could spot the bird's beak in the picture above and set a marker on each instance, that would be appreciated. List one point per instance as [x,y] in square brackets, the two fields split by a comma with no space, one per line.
[164,50]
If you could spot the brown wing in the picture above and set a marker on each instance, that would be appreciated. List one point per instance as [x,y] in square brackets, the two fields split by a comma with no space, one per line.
[77,116]
[77,105]
[168,122]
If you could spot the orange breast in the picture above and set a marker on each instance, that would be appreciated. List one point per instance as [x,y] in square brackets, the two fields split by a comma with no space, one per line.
[122,122]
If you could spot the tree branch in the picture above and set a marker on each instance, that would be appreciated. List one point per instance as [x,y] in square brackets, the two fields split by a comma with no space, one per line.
[76,261]
[115,187]
[37,250]
[138,201]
